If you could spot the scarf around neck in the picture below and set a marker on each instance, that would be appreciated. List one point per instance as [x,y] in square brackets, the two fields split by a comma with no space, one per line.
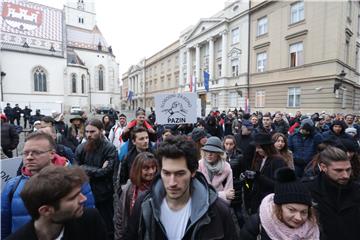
[214,169]
[276,229]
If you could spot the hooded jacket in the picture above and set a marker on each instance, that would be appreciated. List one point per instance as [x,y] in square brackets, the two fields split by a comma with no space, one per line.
[330,134]
[13,211]
[304,147]
[210,216]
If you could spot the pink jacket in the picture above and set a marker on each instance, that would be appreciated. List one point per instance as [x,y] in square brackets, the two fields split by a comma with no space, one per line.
[220,182]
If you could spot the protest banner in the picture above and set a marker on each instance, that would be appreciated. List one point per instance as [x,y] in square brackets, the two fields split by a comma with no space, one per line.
[9,168]
[176,108]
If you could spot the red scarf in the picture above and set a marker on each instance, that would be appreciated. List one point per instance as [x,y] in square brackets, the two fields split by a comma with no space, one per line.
[136,190]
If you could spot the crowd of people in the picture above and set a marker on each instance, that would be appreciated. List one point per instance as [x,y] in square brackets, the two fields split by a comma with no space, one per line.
[231,175]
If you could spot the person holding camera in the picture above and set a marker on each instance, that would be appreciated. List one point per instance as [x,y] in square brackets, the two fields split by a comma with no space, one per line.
[260,180]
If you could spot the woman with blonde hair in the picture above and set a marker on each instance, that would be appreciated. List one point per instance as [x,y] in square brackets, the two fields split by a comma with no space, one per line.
[281,145]
[216,170]
[286,214]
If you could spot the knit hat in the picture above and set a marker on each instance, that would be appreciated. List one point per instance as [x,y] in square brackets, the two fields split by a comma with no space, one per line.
[247,124]
[306,121]
[197,134]
[289,190]
[213,144]
[351,130]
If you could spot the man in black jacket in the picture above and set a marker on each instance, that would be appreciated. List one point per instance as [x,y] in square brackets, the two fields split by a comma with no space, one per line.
[96,156]
[9,136]
[54,200]
[141,143]
[9,113]
[27,114]
[181,204]
[336,197]
[17,114]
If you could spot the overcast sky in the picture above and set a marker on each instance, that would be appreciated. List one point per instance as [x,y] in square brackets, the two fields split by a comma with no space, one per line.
[140,28]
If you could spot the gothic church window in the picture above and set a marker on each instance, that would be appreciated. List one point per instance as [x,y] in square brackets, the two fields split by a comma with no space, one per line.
[40,80]
[73,83]
[101,78]
[83,83]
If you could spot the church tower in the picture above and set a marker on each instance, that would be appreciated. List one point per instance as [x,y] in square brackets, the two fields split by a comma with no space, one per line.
[80,14]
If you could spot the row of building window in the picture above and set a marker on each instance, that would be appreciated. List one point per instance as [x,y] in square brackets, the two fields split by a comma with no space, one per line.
[40,80]
[296,57]
[293,98]
[74,83]
[294,94]
[296,15]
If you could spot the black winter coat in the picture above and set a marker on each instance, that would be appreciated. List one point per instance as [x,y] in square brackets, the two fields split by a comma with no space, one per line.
[265,181]
[9,137]
[248,150]
[338,208]
[101,179]
[252,229]
[237,165]
[89,226]
[281,127]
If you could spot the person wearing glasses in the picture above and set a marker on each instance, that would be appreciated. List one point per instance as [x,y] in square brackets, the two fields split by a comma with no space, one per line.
[38,153]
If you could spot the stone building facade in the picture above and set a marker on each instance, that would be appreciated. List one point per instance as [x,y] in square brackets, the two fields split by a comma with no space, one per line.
[298,50]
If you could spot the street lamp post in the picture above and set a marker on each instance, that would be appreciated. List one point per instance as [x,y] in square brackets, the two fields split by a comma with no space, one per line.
[3,74]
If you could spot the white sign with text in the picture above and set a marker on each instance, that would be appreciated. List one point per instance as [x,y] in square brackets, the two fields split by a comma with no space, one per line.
[9,167]
[176,108]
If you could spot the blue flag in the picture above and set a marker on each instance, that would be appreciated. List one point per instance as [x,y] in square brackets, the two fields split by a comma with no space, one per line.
[130,95]
[206,80]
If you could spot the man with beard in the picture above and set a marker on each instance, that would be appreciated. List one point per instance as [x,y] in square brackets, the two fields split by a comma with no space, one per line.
[96,156]
[336,196]
[55,203]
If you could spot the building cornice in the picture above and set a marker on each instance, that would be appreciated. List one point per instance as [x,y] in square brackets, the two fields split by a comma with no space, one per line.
[297,34]
[262,45]
[261,5]
[33,53]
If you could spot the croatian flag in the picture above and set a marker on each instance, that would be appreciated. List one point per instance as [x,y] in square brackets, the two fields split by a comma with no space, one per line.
[206,80]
